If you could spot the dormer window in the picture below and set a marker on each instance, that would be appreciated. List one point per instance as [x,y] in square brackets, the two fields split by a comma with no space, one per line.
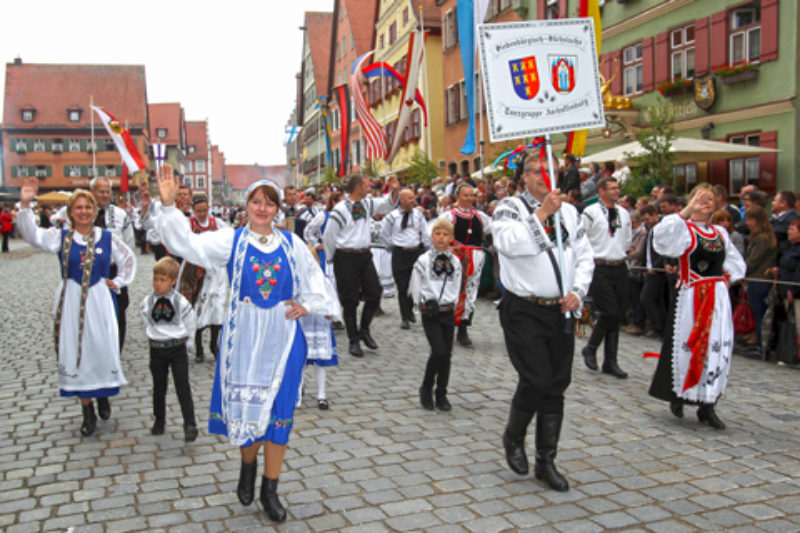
[161,133]
[74,115]
[27,115]
[191,149]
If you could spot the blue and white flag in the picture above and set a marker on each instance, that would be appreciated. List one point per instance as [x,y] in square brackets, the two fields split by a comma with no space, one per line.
[291,134]
[469,13]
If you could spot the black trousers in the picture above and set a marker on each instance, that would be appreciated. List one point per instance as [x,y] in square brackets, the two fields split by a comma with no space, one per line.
[123,300]
[439,332]
[402,266]
[653,299]
[541,352]
[161,359]
[159,250]
[6,235]
[356,279]
[609,292]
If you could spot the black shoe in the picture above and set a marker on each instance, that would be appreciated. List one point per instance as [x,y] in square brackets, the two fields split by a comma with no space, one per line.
[199,357]
[441,401]
[676,406]
[706,414]
[610,367]
[368,340]
[355,349]
[323,404]
[462,337]
[337,324]
[426,398]
[653,334]
[379,311]
[246,489]
[405,325]
[89,419]
[104,408]
[158,428]
[412,318]
[190,433]
[589,358]
[269,500]
[548,473]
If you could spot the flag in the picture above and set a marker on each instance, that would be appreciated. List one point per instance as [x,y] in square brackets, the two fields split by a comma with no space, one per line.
[291,134]
[322,105]
[159,155]
[122,140]
[465,17]
[416,49]
[371,129]
[576,140]
[343,99]
[384,69]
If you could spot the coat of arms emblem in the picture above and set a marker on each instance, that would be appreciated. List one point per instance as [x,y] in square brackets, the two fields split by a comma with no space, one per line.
[562,73]
[525,77]
[705,94]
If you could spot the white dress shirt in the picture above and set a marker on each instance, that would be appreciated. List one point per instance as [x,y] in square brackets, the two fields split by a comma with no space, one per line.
[415,232]
[182,325]
[522,243]
[344,232]
[607,246]
[427,285]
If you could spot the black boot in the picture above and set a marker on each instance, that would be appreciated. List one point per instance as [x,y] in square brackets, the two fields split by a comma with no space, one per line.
[366,319]
[215,332]
[610,355]
[548,430]
[246,489]
[426,397]
[589,351]
[676,407]
[442,403]
[89,419]
[462,337]
[269,500]
[442,380]
[104,408]
[514,440]
[706,413]
[199,357]
[368,340]
[352,335]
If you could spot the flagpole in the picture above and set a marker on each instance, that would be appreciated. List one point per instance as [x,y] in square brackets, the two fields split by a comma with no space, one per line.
[94,154]
[478,93]
[557,218]
[425,75]
[383,110]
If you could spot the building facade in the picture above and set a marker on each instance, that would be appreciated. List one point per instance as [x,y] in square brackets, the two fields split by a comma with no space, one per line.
[241,177]
[168,126]
[47,122]
[198,158]
[220,189]
[314,75]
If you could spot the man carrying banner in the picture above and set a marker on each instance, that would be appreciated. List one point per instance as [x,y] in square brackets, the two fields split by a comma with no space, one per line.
[539,338]
[471,226]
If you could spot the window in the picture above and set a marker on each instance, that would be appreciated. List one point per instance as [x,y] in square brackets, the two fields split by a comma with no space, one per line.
[201,182]
[74,171]
[110,171]
[632,69]
[355,152]
[551,9]
[91,146]
[682,52]
[745,39]
[161,133]
[187,181]
[39,145]
[74,145]
[416,124]
[27,115]
[405,16]
[41,171]
[21,171]
[74,115]
[192,148]
[464,112]
[687,176]
[743,172]
[200,166]
[20,146]
[188,166]
[450,30]
[392,33]
[57,146]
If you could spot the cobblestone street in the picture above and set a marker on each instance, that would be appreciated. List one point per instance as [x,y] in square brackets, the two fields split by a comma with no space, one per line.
[376,461]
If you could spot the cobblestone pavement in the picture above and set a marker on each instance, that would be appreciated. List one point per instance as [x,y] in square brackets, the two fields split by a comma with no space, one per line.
[376,461]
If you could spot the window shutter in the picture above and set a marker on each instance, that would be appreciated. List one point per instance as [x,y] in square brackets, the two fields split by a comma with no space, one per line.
[562,9]
[118,170]
[446,108]
[616,85]
[647,65]
[29,144]
[719,40]
[768,181]
[84,170]
[49,171]
[32,170]
[456,96]
[66,171]
[14,171]
[48,144]
[769,30]
[540,9]
[84,145]
[662,57]
[701,31]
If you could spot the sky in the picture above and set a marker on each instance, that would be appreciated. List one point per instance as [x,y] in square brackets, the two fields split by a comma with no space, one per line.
[232,62]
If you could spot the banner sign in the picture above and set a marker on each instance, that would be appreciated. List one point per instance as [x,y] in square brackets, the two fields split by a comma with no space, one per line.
[540,76]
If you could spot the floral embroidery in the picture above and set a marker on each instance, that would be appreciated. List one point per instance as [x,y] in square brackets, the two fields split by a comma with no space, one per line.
[280,423]
[712,245]
[702,266]
[265,275]
[215,416]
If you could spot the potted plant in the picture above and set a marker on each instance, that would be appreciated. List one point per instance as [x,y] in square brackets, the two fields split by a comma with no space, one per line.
[737,72]
[677,86]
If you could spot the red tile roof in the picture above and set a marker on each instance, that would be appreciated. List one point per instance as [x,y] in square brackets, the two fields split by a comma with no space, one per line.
[361,15]
[168,116]
[52,89]
[242,176]
[318,33]
[197,135]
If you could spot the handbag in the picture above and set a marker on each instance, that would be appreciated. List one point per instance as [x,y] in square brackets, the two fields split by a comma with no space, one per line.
[743,320]
[787,350]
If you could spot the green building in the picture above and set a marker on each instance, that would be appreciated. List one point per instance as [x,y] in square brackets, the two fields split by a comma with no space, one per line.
[742,55]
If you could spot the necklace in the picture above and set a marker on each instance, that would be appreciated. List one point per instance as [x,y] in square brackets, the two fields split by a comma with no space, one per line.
[263,239]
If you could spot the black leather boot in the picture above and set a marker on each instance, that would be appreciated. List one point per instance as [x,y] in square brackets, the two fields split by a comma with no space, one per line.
[610,355]
[706,414]
[676,407]
[269,500]
[368,340]
[462,337]
[442,403]
[246,489]
[426,398]
[89,419]
[514,440]
[199,357]
[548,430]
[589,351]
[366,319]
[215,332]
[352,335]
[104,408]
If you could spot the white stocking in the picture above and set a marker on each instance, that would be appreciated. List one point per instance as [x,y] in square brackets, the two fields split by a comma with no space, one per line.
[320,382]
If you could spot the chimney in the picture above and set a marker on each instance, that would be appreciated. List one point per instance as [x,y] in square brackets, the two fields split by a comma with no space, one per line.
[17,61]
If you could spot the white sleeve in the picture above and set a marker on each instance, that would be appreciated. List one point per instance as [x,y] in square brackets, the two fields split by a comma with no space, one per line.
[127,230]
[208,249]
[671,236]
[311,233]
[628,229]
[313,294]
[61,213]
[189,320]
[383,205]
[48,240]
[424,232]
[386,230]
[584,262]
[734,263]
[487,222]
[518,235]
[125,259]
[417,273]
[331,232]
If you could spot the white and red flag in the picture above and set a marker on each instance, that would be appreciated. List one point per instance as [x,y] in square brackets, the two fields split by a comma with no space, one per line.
[416,49]
[371,128]
[122,139]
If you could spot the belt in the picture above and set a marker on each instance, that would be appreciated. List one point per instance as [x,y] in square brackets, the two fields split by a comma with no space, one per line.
[169,343]
[404,249]
[353,250]
[443,308]
[609,262]
[538,300]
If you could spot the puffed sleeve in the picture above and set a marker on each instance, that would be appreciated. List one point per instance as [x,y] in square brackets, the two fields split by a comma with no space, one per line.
[48,240]
[516,234]
[335,225]
[125,259]
[208,249]
[734,263]
[424,232]
[313,294]
[584,260]
[312,233]
[487,222]
[386,230]
[417,278]
[671,236]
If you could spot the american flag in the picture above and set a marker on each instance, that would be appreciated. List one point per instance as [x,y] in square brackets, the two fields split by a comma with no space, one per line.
[373,131]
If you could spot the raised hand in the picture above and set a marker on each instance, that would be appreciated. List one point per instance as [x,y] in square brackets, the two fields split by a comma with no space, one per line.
[30,187]
[167,185]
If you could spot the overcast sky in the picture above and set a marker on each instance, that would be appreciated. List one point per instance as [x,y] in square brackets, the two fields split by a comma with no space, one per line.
[232,62]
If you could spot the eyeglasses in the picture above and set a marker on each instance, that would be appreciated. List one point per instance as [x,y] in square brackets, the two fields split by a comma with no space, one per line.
[534,170]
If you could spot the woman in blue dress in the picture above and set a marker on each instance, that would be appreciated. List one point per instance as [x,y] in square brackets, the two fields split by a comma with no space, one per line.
[274,281]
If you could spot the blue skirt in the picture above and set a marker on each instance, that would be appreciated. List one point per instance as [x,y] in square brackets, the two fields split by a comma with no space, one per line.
[333,361]
[96,393]
[281,417]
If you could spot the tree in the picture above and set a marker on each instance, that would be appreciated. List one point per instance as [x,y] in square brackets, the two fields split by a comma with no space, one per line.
[329,176]
[656,167]
[421,170]
[369,168]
